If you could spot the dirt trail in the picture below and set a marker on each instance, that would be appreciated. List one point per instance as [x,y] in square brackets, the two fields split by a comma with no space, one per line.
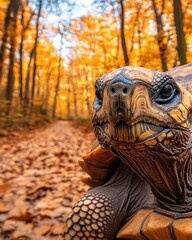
[40,180]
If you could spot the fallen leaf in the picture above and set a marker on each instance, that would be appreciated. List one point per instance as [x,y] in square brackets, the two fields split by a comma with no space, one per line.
[4,207]
[9,225]
[46,213]
[58,229]
[5,187]
[43,229]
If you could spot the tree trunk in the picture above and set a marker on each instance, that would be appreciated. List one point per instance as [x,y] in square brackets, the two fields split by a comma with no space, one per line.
[160,37]
[75,101]
[139,32]
[87,96]
[123,41]
[21,69]
[181,43]
[48,91]
[35,51]
[134,26]
[21,56]
[58,81]
[32,53]
[5,36]
[24,28]
[27,80]
[10,82]
[68,98]
[117,51]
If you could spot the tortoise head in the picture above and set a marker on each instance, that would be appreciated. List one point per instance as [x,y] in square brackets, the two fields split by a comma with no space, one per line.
[138,107]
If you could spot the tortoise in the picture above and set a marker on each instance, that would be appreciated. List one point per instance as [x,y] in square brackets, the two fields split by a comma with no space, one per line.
[141,165]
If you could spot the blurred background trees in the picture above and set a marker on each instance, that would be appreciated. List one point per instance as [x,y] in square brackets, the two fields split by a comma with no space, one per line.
[52,51]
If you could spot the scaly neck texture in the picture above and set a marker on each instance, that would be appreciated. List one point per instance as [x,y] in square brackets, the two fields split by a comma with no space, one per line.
[170,177]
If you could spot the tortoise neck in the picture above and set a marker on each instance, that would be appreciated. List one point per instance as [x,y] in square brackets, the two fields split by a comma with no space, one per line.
[178,198]
[170,177]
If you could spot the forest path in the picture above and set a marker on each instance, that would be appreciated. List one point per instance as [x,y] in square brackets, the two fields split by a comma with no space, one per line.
[40,180]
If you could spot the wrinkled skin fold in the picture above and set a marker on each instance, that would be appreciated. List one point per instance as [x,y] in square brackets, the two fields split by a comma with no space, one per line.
[144,118]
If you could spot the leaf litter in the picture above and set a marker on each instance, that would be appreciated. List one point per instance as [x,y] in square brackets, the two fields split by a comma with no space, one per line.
[40,180]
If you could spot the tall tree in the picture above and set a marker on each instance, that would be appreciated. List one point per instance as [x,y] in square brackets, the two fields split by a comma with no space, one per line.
[27,79]
[58,76]
[75,99]
[68,96]
[118,8]
[40,3]
[21,45]
[162,45]
[47,94]
[10,80]
[181,43]
[5,35]
[122,26]
[32,55]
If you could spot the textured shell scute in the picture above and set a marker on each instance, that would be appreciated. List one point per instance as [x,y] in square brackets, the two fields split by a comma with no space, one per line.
[148,223]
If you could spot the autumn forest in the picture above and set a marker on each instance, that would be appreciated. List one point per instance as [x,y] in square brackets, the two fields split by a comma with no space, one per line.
[52,51]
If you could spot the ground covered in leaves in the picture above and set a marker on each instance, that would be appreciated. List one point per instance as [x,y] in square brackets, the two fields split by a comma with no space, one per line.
[40,179]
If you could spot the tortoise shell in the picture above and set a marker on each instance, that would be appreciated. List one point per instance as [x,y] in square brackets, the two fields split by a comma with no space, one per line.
[157,224]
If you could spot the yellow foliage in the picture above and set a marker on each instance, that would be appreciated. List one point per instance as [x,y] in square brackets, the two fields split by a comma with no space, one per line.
[94,42]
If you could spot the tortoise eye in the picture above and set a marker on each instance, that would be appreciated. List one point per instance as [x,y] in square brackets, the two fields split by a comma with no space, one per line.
[166,94]
[166,91]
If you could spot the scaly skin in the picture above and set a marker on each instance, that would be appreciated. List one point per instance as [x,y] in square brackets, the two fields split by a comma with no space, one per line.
[101,211]
[144,118]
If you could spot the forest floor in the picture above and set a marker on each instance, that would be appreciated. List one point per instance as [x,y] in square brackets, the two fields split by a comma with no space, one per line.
[40,179]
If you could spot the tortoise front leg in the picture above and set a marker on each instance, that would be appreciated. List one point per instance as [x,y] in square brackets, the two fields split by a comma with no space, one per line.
[101,212]
[93,217]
